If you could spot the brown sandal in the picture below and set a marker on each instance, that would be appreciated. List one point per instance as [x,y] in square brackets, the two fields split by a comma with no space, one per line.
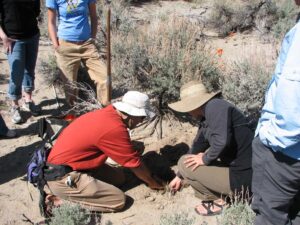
[208,205]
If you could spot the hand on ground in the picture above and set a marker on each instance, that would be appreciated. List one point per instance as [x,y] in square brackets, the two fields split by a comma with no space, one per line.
[175,184]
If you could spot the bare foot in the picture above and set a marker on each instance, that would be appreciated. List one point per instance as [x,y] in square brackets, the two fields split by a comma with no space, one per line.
[53,200]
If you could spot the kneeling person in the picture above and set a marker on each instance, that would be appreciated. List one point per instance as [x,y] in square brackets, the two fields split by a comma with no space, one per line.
[87,142]
[219,161]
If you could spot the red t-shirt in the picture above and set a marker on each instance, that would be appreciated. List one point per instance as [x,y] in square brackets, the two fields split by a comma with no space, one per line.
[88,141]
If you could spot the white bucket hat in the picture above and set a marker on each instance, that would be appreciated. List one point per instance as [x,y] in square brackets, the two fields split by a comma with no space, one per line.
[192,95]
[135,103]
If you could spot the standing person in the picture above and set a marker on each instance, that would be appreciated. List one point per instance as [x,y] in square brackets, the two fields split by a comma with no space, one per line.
[4,131]
[219,161]
[79,154]
[276,147]
[74,43]
[20,35]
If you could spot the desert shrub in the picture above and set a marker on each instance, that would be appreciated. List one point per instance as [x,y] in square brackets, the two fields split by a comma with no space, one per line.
[231,17]
[160,57]
[70,214]
[267,16]
[244,84]
[179,218]
[156,58]
[48,67]
[239,213]
[121,21]
[286,18]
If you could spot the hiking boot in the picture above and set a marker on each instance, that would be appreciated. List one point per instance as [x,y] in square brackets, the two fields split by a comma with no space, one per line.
[33,108]
[16,115]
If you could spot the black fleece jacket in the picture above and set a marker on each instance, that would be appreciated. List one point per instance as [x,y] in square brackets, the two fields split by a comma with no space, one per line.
[19,18]
[224,136]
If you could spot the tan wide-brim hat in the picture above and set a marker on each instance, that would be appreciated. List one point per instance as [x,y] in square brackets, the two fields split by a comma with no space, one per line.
[192,96]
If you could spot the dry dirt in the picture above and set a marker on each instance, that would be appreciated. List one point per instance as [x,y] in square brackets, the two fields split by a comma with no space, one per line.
[146,206]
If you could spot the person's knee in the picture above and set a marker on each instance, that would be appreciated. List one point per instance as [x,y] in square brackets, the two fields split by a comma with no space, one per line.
[183,170]
[122,202]
[119,202]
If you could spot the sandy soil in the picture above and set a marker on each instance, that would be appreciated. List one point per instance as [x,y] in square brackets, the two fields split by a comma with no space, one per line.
[19,199]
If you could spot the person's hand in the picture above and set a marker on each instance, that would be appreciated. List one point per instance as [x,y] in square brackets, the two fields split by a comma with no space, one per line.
[8,44]
[55,46]
[194,161]
[175,184]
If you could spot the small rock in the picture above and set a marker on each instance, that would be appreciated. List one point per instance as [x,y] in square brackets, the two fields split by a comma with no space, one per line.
[150,199]
[160,207]
[147,195]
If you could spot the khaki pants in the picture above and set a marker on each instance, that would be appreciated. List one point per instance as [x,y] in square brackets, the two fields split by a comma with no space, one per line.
[70,55]
[209,182]
[94,191]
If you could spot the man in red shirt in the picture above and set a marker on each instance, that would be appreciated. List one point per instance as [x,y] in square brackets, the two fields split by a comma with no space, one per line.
[87,142]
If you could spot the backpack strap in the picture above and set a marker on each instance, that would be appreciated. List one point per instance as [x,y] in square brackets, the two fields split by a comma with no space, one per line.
[54,172]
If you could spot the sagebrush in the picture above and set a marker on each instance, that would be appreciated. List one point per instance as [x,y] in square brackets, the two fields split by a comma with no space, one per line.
[178,218]
[239,213]
[70,214]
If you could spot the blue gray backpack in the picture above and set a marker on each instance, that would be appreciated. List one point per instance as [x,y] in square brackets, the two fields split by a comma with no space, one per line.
[38,170]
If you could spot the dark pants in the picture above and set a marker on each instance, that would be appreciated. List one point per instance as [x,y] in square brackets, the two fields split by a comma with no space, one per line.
[3,127]
[275,186]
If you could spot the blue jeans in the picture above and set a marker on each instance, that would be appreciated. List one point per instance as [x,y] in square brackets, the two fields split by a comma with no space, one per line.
[22,61]
[3,127]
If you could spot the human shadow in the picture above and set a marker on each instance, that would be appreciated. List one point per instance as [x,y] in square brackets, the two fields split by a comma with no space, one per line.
[13,165]
[97,216]
[29,130]
[159,164]
[61,107]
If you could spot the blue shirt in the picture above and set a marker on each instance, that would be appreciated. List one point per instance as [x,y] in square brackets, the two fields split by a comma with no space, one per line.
[279,125]
[73,17]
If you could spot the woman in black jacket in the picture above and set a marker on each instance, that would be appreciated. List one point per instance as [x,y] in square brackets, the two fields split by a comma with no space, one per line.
[219,161]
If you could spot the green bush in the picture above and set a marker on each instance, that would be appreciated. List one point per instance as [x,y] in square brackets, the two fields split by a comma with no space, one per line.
[48,67]
[180,218]
[267,16]
[70,214]
[244,84]
[160,57]
[286,18]
[232,17]
[239,213]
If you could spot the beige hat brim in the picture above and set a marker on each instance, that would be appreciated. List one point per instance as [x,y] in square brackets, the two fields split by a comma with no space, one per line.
[192,103]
